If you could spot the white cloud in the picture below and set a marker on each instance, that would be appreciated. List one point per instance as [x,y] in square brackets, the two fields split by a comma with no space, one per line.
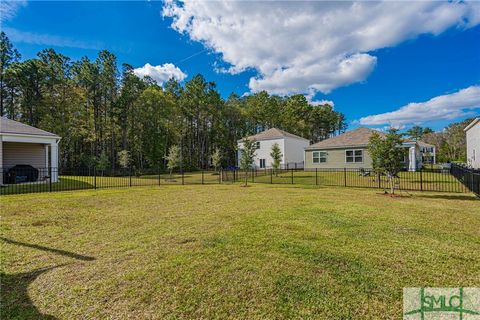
[313,102]
[9,9]
[446,107]
[161,73]
[317,46]
[49,40]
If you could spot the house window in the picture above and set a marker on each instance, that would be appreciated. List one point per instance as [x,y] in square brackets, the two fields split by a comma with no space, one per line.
[257,145]
[353,156]
[262,163]
[319,156]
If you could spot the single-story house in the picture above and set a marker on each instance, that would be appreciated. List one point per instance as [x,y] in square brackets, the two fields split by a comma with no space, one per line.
[472,132]
[24,145]
[291,146]
[350,150]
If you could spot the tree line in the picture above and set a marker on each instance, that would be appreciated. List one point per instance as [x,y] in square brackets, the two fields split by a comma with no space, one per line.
[106,114]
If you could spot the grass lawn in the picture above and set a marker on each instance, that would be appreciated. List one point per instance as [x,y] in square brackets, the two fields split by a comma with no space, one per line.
[428,181]
[228,252]
[72,182]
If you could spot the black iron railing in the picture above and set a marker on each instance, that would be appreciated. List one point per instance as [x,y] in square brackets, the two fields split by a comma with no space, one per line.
[469,177]
[440,180]
[457,179]
[51,179]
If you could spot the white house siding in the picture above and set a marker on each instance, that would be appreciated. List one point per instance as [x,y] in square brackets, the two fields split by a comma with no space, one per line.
[24,153]
[294,150]
[473,145]
[264,152]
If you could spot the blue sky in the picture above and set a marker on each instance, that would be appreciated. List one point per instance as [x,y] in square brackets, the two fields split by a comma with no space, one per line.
[370,59]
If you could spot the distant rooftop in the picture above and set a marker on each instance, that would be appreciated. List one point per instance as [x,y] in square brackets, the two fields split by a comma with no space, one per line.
[472,124]
[15,127]
[274,133]
[357,137]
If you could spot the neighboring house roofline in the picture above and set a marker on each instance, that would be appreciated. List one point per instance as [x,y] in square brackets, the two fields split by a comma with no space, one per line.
[354,138]
[273,134]
[474,122]
[8,134]
[354,146]
[12,127]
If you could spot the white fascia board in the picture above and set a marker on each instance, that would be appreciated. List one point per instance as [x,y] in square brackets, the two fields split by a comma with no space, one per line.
[26,138]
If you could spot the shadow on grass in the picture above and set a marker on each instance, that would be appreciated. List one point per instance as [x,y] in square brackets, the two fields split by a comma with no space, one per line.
[447,197]
[65,183]
[16,304]
[14,298]
[56,251]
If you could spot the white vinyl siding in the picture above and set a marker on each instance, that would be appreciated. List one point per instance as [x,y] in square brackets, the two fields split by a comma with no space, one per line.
[24,153]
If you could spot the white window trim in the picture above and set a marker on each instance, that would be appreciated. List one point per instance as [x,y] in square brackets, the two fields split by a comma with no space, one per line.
[354,162]
[319,157]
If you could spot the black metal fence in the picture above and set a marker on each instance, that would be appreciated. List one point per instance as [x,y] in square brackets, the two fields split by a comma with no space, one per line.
[30,180]
[469,177]
[457,179]
[440,180]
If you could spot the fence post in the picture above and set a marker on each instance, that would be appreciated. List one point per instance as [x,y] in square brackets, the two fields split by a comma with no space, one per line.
[379,182]
[316,176]
[471,181]
[345,177]
[271,176]
[95,177]
[220,176]
[130,171]
[51,171]
[253,175]
[292,176]
[421,180]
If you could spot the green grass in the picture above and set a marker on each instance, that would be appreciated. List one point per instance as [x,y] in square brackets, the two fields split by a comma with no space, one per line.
[71,182]
[228,252]
[427,181]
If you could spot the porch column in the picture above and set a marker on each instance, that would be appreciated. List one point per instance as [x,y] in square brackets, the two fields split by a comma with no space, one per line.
[54,161]
[412,159]
[47,163]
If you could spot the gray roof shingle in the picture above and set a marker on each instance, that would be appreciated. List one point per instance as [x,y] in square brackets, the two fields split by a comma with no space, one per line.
[15,127]
[357,137]
[273,133]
